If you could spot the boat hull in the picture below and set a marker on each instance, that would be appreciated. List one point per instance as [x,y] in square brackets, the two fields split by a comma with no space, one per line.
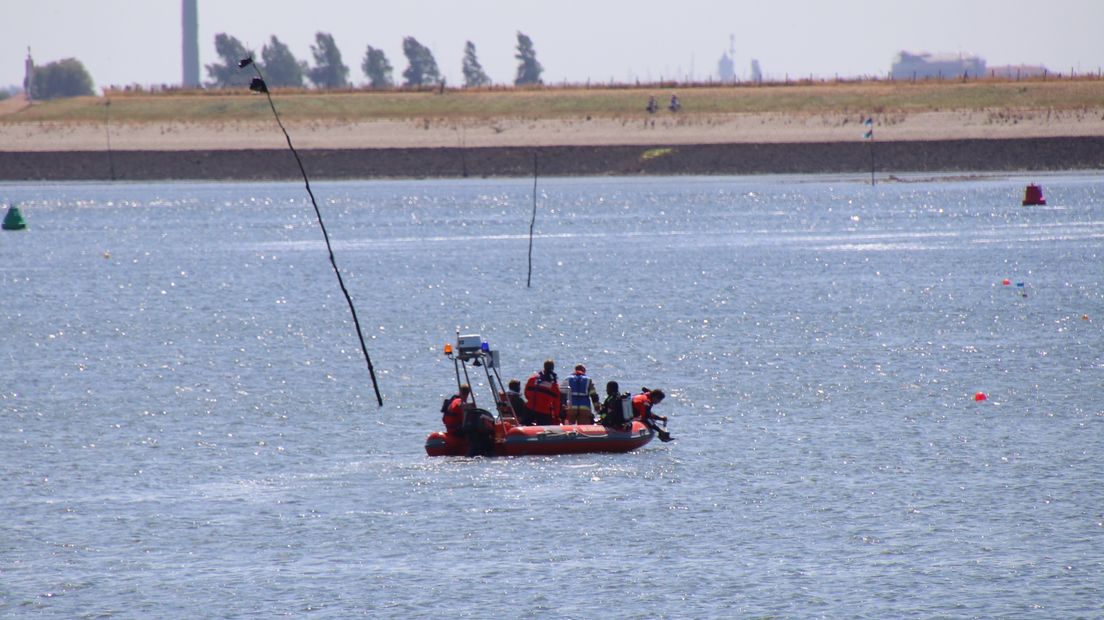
[513,440]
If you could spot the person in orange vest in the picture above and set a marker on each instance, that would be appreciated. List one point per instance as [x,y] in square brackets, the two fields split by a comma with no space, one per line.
[642,410]
[581,396]
[454,415]
[542,392]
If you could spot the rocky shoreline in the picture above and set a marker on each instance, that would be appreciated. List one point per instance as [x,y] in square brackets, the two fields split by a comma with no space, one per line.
[969,155]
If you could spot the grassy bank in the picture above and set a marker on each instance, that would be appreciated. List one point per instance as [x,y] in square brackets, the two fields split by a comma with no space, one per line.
[816,98]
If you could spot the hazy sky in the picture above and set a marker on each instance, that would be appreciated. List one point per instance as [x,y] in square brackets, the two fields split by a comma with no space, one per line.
[138,41]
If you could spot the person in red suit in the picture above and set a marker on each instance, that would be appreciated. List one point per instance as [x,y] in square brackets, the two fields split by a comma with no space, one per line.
[454,414]
[542,392]
[642,410]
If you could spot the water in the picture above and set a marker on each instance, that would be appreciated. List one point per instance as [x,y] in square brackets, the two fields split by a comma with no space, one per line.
[189,430]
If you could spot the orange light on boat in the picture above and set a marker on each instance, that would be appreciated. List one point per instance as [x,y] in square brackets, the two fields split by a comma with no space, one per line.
[448,348]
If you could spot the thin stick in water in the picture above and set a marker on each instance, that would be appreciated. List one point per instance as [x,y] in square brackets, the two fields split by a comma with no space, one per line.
[259,85]
[107,132]
[532,222]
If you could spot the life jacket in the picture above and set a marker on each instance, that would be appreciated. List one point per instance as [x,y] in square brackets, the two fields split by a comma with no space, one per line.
[580,390]
[642,406]
[453,417]
[543,394]
[445,404]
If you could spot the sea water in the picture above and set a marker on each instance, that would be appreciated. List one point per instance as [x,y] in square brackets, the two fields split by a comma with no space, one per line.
[189,428]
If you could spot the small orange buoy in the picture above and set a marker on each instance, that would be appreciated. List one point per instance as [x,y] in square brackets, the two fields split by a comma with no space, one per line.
[1006,282]
[1084,317]
[981,396]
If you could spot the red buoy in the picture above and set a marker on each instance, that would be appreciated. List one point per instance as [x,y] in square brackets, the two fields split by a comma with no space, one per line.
[980,396]
[1033,196]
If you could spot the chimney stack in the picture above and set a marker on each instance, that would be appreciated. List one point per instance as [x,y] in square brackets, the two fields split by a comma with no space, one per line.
[191,43]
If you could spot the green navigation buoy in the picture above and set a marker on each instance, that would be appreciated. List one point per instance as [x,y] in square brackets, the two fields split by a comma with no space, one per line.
[14,219]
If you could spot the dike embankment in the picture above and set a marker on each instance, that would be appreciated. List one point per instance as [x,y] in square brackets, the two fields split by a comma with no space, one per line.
[972,155]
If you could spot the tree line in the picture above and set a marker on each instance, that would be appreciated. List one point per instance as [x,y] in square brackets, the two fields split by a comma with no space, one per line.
[282,69]
[69,78]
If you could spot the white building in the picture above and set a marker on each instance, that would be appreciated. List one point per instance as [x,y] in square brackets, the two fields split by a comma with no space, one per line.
[726,66]
[908,66]
[756,72]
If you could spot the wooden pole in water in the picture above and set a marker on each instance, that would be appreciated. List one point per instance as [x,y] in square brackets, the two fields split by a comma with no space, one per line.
[532,223]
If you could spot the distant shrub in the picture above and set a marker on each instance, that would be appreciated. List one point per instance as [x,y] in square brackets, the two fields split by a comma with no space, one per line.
[63,78]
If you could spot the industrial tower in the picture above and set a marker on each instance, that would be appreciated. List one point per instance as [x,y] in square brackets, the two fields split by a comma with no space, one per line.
[190,21]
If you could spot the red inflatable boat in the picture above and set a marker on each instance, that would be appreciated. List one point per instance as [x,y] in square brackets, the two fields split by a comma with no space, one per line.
[514,439]
[511,440]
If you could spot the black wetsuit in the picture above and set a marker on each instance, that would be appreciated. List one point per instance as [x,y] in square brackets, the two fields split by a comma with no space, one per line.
[479,431]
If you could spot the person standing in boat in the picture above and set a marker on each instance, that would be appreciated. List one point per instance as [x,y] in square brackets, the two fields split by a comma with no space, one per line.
[454,415]
[542,391]
[642,410]
[582,395]
[517,403]
[612,413]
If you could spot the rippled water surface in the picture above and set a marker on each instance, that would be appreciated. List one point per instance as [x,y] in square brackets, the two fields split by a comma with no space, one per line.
[188,428]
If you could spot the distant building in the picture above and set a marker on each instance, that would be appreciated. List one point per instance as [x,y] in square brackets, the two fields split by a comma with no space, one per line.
[756,72]
[907,66]
[726,66]
[190,32]
[727,69]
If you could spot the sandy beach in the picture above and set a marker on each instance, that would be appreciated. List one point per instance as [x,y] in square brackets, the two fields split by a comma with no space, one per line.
[669,129]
